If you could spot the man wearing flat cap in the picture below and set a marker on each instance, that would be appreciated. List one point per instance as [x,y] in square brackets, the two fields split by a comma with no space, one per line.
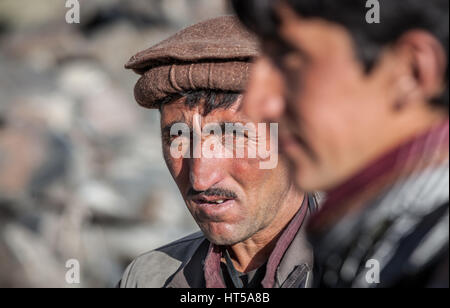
[249,212]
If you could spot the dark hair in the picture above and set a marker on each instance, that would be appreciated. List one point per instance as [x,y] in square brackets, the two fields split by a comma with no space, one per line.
[397,17]
[212,99]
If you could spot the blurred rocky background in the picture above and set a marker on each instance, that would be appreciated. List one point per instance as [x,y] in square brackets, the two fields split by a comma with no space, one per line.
[81,170]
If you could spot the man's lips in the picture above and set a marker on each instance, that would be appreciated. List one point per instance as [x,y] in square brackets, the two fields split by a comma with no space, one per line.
[214,208]
[213,212]
[210,199]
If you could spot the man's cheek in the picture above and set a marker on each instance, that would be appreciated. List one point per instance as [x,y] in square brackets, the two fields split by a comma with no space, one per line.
[173,164]
[247,170]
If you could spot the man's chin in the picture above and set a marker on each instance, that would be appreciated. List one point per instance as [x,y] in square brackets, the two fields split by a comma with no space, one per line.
[222,241]
[223,237]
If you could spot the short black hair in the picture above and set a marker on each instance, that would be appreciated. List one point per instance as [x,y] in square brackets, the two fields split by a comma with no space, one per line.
[211,98]
[397,17]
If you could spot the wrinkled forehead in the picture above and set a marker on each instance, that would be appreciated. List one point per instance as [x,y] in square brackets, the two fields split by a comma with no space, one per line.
[179,112]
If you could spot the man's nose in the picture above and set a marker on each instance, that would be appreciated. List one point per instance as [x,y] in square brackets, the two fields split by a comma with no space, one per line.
[263,101]
[204,172]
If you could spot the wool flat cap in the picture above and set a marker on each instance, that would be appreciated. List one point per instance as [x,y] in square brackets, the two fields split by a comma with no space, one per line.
[215,54]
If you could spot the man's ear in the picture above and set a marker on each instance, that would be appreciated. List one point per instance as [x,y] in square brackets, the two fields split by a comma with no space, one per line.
[427,62]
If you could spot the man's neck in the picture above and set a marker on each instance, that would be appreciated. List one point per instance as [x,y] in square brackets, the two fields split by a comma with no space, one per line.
[255,251]
[387,137]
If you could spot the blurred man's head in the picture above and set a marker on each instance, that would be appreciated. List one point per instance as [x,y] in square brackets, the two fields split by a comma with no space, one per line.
[195,79]
[345,90]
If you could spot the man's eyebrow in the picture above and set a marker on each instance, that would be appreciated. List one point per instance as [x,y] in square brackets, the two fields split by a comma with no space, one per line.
[209,126]
[237,125]
[213,126]
[166,129]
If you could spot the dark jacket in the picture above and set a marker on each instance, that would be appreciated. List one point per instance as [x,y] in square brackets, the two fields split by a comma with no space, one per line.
[180,265]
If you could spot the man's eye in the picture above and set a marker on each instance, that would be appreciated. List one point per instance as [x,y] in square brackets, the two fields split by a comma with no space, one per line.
[176,137]
[168,139]
[178,142]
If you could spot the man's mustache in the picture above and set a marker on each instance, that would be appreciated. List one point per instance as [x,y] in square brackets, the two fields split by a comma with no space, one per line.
[216,192]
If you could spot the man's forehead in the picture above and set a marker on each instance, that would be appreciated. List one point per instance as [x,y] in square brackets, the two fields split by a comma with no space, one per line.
[179,112]
[312,37]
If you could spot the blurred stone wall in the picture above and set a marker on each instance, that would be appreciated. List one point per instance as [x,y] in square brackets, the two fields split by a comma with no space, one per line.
[81,170]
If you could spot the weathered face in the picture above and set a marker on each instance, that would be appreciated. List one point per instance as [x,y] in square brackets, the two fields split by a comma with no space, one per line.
[334,117]
[231,199]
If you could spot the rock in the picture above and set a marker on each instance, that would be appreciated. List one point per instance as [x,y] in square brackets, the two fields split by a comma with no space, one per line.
[82,171]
